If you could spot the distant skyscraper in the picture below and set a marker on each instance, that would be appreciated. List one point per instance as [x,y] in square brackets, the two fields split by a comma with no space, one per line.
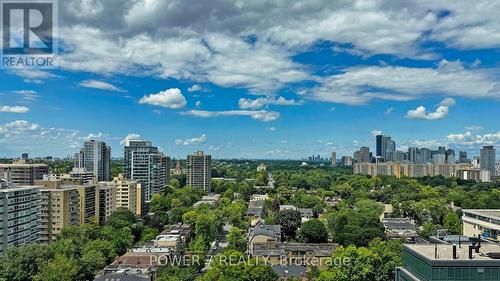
[439,158]
[24,156]
[362,155]
[378,150]
[199,172]
[144,163]
[450,156]
[346,161]
[334,158]
[425,156]
[487,160]
[397,156]
[441,150]
[95,157]
[413,154]
[384,147]
[462,157]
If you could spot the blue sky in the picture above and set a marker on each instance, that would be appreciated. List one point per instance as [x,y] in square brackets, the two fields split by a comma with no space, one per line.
[295,80]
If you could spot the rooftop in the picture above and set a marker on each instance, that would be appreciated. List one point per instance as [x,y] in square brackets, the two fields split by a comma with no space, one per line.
[122,277]
[306,212]
[281,248]
[445,252]
[256,212]
[399,224]
[490,213]
[21,165]
[176,229]
[272,230]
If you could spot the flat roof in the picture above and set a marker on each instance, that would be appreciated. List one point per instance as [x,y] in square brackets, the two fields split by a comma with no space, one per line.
[445,252]
[22,165]
[490,213]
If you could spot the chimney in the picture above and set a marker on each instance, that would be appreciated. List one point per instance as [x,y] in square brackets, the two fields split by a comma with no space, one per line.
[478,243]
[470,252]
[455,256]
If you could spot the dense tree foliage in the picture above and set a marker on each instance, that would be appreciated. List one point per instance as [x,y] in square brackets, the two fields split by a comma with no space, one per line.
[233,265]
[376,262]
[289,220]
[313,231]
[358,225]
[78,253]
[236,240]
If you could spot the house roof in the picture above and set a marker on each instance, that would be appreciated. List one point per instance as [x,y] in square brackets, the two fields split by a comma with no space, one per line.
[289,270]
[176,229]
[305,212]
[287,207]
[121,277]
[257,212]
[281,248]
[396,224]
[271,230]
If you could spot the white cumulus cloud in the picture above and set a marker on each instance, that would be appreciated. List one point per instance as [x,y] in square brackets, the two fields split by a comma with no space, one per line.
[195,88]
[262,102]
[129,137]
[100,85]
[192,141]
[422,113]
[14,109]
[261,115]
[171,98]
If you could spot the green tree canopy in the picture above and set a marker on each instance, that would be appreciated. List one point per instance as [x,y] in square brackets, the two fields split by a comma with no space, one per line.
[313,231]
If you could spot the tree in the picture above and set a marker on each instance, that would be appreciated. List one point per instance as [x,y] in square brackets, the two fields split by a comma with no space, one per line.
[390,254]
[106,248]
[208,226]
[122,239]
[176,273]
[232,265]
[91,262]
[355,226]
[175,183]
[313,231]
[234,213]
[149,234]
[61,268]
[453,223]
[189,217]
[236,240]
[120,218]
[22,263]
[358,264]
[428,229]
[289,221]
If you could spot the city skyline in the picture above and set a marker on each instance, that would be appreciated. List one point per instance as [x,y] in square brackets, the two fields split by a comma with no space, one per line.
[273,88]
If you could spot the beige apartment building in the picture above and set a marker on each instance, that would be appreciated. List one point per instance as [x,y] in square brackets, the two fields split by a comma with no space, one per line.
[484,222]
[199,171]
[107,200]
[22,173]
[408,169]
[19,215]
[89,200]
[89,196]
[128,194]
[60,208]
